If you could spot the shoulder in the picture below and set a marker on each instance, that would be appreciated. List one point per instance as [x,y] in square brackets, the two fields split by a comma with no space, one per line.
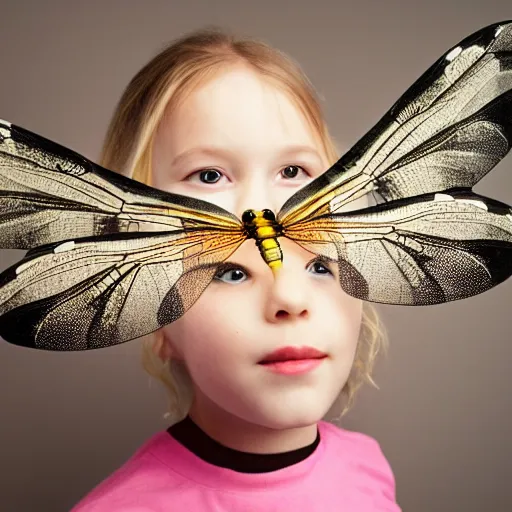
[143,473]
[361,453]
[357,442]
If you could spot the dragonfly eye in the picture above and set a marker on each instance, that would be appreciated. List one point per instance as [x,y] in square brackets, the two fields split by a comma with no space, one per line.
[248,216]
[268,215]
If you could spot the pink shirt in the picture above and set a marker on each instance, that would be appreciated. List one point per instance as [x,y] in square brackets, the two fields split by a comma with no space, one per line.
[347,472]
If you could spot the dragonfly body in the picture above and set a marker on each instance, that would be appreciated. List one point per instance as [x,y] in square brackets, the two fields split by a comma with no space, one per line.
[263,227]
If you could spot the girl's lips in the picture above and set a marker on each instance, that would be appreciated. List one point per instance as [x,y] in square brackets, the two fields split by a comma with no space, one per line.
[293,366]
[292,354]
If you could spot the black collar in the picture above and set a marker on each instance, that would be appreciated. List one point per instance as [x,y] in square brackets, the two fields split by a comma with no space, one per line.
[198,442]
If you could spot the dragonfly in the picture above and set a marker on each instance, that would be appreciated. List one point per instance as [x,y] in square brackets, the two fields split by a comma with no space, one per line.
[110,259]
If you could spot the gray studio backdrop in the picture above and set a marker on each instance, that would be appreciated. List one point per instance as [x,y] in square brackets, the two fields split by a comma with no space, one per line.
[443,414]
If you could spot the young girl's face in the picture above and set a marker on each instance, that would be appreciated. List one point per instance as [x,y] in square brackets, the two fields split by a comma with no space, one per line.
[241,143]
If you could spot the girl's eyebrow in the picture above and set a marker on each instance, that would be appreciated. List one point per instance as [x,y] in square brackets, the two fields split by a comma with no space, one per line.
[211,151]
[215,151]
[293,150]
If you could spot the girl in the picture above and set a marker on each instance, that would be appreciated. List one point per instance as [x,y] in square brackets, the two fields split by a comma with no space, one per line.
[236,123]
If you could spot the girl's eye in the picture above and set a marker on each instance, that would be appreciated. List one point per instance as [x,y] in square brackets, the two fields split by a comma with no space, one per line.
[208,176]
[231,275]
[317,267]
[292,171]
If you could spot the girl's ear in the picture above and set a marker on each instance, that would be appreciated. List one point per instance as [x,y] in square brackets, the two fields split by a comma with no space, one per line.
[164,348]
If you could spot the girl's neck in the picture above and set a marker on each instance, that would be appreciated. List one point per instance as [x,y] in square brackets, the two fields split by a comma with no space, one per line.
[238,434]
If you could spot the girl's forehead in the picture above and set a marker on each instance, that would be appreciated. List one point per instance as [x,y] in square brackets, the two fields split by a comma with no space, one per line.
[238,106]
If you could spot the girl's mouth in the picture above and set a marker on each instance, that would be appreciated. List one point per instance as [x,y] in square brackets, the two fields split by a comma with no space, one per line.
[293,366]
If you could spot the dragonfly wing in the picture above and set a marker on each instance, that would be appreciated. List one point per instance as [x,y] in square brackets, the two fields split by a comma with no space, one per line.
[448,130]
[49,193]
[86,294]
[421,251]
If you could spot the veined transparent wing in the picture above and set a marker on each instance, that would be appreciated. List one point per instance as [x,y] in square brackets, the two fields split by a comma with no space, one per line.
[416,251]
[102,291]
[109,260]
[49,193]
[448,130]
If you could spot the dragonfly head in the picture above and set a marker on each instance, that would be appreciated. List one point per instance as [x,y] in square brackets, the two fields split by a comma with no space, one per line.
[258,218]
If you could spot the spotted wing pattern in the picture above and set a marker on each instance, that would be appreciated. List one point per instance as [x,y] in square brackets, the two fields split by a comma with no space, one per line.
[436,248]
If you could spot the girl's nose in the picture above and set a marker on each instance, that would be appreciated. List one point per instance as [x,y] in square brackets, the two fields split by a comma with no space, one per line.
[256,194]
[288,296]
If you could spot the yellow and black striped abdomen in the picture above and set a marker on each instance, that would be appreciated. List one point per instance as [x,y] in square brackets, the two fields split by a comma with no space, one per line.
[262,226]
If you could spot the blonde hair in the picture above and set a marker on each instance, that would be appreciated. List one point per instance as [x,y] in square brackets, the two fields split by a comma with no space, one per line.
[158,87]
